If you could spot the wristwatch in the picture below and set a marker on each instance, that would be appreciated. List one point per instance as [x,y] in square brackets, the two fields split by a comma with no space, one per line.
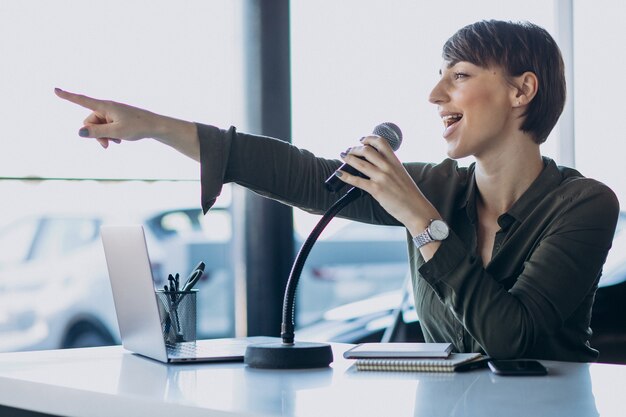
[436,230]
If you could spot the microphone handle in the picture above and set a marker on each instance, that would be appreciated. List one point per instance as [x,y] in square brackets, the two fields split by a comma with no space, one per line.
[334,184]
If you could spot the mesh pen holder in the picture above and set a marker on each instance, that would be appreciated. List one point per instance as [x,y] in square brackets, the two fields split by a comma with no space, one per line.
[177,310]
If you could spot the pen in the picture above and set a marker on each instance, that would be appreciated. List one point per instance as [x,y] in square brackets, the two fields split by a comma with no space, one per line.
[199,267]
[170,278]
[193,279]
[173,288]
[168,320]
[174,315]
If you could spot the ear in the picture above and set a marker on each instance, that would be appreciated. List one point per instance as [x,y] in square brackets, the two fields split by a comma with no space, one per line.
[525,89]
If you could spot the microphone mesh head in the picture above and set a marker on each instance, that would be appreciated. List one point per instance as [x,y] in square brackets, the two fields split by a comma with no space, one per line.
[391,133]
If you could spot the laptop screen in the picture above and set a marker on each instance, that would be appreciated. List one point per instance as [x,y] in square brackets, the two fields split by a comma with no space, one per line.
[133,290]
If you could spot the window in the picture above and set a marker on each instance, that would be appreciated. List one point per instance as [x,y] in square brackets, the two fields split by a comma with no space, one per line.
[176,58]
[354,65]
[598,37]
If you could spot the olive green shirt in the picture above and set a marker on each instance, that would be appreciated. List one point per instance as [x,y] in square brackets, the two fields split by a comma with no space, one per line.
[532,300]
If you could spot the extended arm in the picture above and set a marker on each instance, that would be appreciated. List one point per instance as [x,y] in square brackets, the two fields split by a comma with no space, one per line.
[267,166]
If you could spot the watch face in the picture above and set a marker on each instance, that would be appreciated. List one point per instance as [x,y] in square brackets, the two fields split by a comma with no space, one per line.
[438,229]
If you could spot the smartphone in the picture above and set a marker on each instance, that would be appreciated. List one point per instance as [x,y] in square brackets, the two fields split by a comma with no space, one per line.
[517,367]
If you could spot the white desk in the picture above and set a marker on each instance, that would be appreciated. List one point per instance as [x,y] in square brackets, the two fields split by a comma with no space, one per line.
[111,382]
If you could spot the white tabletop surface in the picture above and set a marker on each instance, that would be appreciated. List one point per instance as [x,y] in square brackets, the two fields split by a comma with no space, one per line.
[112,382]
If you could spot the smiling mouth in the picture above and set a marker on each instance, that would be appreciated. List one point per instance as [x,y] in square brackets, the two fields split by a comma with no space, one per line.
[451,119]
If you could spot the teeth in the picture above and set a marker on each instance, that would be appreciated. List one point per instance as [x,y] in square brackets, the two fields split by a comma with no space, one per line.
[451,119]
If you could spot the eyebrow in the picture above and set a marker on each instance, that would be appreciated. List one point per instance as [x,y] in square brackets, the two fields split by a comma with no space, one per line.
[449,64]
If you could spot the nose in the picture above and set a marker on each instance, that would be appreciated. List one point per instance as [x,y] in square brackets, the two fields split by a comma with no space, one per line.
[438,94]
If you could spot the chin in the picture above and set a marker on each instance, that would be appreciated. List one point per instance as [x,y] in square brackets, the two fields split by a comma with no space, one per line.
[456,153]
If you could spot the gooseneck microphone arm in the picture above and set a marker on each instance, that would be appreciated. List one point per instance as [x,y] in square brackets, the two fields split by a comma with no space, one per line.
[288,354]
[287,326]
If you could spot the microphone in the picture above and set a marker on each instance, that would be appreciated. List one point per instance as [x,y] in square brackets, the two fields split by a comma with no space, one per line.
[388,131]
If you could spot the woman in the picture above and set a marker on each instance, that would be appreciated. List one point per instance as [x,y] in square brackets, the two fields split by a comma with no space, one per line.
[505,254]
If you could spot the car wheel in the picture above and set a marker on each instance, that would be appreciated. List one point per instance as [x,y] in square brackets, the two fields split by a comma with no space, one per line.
[87,335]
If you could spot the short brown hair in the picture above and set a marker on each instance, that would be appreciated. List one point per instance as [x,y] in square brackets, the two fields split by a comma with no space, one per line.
[517,47]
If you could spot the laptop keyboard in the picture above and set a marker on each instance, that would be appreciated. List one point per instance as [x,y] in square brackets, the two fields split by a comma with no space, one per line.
[182,349]
[192,349]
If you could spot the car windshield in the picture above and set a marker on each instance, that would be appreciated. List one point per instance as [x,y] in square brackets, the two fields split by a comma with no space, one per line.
[16,242]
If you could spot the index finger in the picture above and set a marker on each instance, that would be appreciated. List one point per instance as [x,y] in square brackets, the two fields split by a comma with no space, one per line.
[81,100]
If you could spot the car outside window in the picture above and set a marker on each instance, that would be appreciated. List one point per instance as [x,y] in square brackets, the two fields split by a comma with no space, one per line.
[59,237]
[16,241]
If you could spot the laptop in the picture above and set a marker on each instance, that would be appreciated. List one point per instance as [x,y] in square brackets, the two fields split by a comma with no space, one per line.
[137,308]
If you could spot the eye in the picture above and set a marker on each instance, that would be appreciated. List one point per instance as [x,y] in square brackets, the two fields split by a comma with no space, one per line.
[460,75]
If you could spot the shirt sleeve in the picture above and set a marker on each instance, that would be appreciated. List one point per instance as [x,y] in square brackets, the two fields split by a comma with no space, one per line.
[277,170]
[557,276]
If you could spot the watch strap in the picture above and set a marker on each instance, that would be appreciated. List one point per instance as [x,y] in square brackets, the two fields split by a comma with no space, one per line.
[422,239]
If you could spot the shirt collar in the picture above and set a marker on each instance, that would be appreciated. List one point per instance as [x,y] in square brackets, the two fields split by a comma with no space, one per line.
[548,180]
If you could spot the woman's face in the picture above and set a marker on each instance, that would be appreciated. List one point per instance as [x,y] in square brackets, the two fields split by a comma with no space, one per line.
[476,106]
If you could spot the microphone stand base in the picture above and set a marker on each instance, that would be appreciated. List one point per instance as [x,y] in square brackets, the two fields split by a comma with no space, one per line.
[277,355]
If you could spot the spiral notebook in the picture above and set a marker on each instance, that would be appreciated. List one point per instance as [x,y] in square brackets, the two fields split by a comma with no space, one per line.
[399,350]
[451,364]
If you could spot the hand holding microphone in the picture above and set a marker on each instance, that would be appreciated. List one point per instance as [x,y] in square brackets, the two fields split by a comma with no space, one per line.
[375,169]
[388,131]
